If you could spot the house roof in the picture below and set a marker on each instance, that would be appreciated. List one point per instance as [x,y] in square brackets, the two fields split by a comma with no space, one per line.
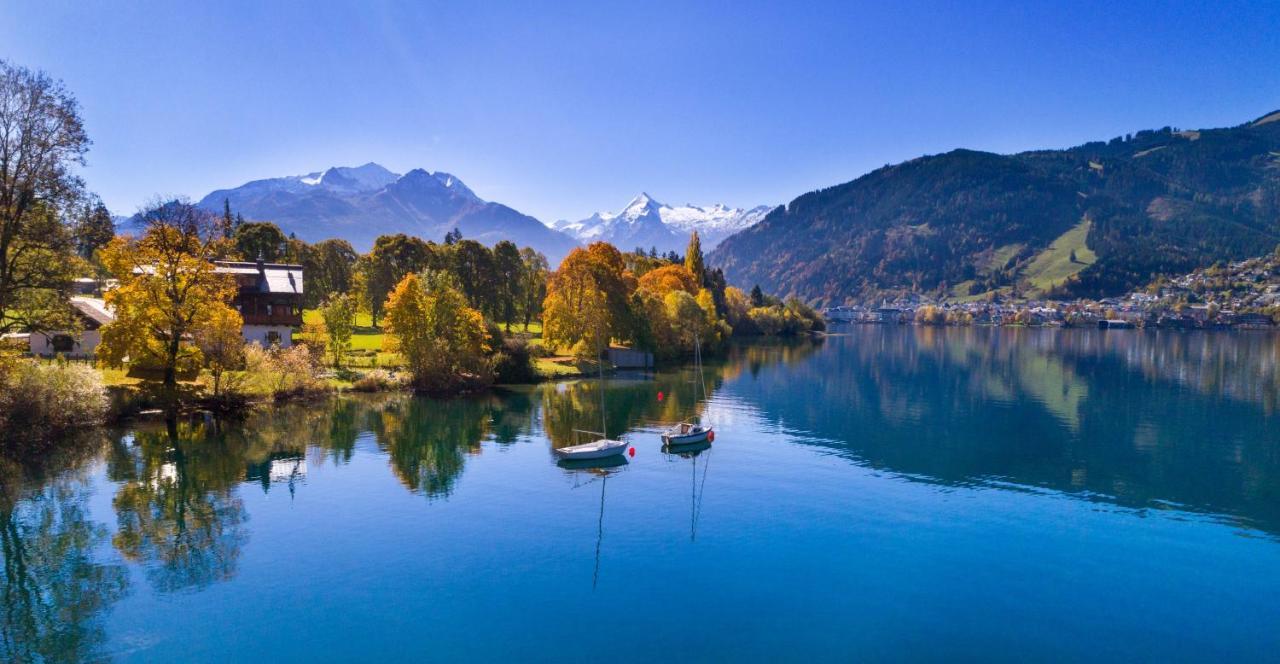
[93,309]
[272,277]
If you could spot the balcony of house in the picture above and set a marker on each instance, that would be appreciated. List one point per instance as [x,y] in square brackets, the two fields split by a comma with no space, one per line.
[270,313]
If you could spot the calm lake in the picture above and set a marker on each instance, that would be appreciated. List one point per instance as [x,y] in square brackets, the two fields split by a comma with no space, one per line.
[885,493]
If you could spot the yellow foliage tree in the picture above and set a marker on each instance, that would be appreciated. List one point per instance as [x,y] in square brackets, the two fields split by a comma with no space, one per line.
[737,304]
[221,345]
[442,340]
[168,294]
[588,299]
[668,278]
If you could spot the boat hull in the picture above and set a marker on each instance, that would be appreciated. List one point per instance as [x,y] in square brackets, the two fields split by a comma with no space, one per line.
[691,438]
[599,449]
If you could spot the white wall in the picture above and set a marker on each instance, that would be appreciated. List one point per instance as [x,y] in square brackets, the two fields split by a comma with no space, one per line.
[259,334]
[42,344]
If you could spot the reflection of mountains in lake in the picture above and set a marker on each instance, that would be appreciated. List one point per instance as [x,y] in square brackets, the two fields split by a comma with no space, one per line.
[1139,419]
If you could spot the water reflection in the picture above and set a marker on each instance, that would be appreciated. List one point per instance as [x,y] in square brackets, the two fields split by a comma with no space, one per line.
[1140,419]
[176,511]
[427,441]
[594,471]
[55,591]
[697,489]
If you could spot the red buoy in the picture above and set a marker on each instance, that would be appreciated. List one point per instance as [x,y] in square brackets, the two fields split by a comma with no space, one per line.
[659,396]
[631,452]
[711,436]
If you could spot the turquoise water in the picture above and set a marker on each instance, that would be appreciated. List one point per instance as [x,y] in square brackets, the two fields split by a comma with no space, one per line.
[888,493]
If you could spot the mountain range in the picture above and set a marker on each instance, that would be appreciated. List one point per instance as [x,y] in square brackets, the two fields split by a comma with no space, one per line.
[1092,220]
[646,223]
[361,203]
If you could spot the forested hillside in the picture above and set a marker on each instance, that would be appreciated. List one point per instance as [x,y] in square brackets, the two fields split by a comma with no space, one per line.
[1097,219]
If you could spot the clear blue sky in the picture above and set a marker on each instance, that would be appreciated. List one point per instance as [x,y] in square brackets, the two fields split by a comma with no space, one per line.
[562,110]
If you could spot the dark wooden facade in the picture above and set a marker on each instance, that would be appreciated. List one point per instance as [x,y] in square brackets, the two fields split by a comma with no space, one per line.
[270,293]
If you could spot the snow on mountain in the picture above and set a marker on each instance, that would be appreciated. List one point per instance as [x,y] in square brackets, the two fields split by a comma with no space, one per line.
[359,204]
[647,223]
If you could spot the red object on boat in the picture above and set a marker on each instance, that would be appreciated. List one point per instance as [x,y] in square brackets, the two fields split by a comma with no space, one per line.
[711,436]
[632,452]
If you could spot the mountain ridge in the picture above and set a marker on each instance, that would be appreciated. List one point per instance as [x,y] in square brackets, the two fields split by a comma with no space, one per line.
[360,203]
[967,223]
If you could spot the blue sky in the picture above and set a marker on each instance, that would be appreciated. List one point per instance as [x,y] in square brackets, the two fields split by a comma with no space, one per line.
[561,110]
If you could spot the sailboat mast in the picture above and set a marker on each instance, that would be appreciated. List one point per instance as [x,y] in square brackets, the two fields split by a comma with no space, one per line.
[604,430]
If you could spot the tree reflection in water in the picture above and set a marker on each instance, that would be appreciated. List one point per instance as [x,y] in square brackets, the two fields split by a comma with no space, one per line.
[177,514]
[54,593]
[427,440]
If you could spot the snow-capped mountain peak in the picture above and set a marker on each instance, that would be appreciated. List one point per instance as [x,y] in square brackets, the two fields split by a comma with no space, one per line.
[645,222]
[361,203]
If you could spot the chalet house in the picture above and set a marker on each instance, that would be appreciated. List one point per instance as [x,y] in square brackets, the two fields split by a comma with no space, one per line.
[269,300]
[93,314]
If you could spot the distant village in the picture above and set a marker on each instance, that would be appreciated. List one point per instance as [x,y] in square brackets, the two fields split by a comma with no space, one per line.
[1240,295]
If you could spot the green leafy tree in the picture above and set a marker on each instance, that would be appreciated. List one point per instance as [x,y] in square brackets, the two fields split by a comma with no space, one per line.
[392,257]
[509,280]
[442,339]
[260,240]
[94,228]
[42,141]
[328,267]
[474,268]
[533,287]
[339,315]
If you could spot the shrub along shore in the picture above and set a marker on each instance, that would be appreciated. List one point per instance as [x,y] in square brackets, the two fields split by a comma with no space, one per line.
[180,349]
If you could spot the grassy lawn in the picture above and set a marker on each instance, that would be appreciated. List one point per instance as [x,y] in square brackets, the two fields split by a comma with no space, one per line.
[1001,255]
[313,316]
[556,369]
[1054,264]
[117,378]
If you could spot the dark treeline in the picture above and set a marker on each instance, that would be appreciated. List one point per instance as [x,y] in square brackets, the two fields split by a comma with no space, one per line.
[504,282]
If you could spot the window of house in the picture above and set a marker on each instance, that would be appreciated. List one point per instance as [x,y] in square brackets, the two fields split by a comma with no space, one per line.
[268,308]
[273,337]
[62,343]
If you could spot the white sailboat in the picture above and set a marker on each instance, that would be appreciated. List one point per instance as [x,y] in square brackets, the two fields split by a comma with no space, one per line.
[603,446]
[692,432]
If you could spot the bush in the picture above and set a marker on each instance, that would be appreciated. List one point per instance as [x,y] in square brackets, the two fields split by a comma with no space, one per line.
[40,400]
[514,363]
[378,380]
[283,373]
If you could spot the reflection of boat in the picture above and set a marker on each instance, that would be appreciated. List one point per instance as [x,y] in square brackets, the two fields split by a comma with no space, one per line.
[691,433]
[596,466]
[687,451]
[602,468]
[601,447]
[696,492]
